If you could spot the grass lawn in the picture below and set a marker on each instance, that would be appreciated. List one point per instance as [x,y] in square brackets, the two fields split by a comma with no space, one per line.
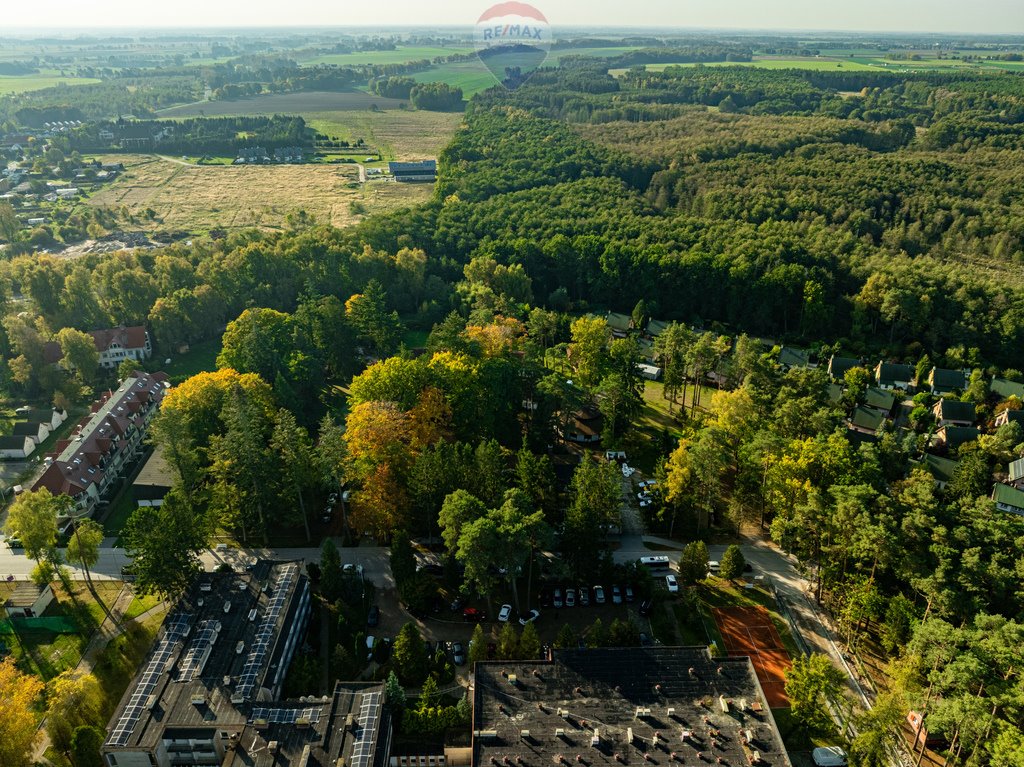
[200,358]
[141,604]
[117,514]
[399,134]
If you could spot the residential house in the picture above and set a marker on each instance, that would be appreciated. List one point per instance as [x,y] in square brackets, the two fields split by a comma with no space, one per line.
[951,412]
[837,366]
[1008,498]
[1016,472]
[892,375]
[154,480]
[37,432]
[650,372]
[941,469]
[794,358]
[879,399]
[620,324]
[585,426]
[13,446]
[51,417]
[115,345]
[419,171]
[943,381]
[953,437]
[866,420]
[1004,388]
[106,442]
[656,327]
[29,600]
[1008,416]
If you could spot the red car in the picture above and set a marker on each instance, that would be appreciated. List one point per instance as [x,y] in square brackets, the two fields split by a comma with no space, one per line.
[474,615]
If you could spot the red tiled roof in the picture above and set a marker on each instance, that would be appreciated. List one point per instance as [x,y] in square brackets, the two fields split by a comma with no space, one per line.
[127,338]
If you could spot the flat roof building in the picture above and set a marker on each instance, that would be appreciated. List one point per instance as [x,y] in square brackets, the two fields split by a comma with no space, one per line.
[212,681]
[622,706]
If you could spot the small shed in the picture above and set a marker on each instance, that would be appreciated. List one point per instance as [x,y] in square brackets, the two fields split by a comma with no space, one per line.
[29,600]
[650,372]
[154,480]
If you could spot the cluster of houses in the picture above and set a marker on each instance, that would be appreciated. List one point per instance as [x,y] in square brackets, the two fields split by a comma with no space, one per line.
[956,422]
[30,430]
[27,189]
[257,155]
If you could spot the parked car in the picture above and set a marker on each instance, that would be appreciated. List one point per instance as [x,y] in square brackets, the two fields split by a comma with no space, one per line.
[530,617]
[599,595]
[473,615]
[352,569]
[459,654]
[645,641]
[647,483]
[504,613]
[374,617]
[616,595]
[630,596]
[643,495]
[584,596]
[557,600]
[671,584]
[713,566]
[645,607]
[570,597]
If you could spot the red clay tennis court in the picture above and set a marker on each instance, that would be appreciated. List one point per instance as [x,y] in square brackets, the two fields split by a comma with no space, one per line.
[750,631]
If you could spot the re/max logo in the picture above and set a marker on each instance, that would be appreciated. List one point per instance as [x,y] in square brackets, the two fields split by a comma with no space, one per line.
[513,30]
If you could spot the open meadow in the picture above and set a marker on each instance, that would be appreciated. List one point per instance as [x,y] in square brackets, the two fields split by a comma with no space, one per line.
[36,82]
[400,55]
[197,198]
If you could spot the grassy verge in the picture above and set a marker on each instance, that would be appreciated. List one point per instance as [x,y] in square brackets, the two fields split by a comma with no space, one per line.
[139,605]
[200,358]
[116,664]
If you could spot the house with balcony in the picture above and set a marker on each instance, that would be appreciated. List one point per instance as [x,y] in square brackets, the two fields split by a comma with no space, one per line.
[115,345]
[110,438]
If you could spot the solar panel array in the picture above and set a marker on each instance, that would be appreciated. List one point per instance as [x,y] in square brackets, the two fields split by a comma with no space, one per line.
[195,656]
[285,715]
[369,716]
[265,633]
[177,628]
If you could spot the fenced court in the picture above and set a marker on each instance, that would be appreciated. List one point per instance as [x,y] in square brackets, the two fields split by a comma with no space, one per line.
[750,631]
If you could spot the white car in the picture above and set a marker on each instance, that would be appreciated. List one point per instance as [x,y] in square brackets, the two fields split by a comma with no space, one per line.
[504,613]
[648,483]
[671,584]
[529,617]
[351,568]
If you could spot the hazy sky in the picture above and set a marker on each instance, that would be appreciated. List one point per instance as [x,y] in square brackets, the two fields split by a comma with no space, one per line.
[952,16]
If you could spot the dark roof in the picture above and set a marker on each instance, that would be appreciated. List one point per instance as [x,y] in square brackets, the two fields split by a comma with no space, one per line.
[794,358]
[196,650]
[656,327]
[835,392]
[26,594]
[879,399]
[955,410]
[620,322]
[417,166]
[837,366]
[1004,388]
[27,429]
[940,468]
[13,442]
[596,694]
[954,436]
[867,418]
[155,473]
[947,380]
[891,372]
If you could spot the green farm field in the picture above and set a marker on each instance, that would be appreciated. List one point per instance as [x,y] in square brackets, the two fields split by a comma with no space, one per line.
[36,82]
[399,134]
[400,55]
[854,63]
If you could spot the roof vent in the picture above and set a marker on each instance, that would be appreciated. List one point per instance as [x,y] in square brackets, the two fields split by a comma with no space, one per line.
[272,747]
[595,739]
[562,712]
[671,713]
[559,732]
[524,734]
[513,680]
[198,700]
[227,680]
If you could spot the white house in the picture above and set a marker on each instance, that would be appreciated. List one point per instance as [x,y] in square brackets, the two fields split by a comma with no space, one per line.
[34,430]
[29,600]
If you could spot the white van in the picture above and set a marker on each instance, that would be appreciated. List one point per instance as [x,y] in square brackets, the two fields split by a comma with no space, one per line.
[830,756]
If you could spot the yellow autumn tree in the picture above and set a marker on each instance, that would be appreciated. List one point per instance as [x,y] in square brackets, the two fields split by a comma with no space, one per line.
[74,700]
[18,731]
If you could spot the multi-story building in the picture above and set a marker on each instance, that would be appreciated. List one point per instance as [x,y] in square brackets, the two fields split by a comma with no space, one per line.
[105,442]
[209,691]
[115,345]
